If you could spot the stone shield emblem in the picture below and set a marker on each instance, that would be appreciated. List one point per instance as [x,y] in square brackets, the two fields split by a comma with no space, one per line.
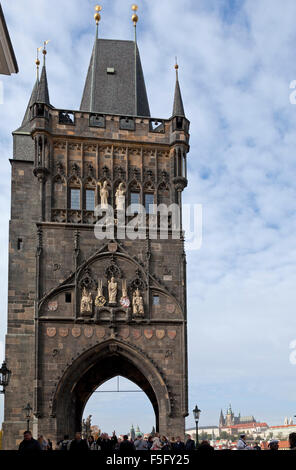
[100,333]
[137,334]
[171,308]
[125,302]
[53,305]
[160,334]
[148,333]
[88,332]
[125,333]
[63,332]
[51,332]
[172,334]
[76,332]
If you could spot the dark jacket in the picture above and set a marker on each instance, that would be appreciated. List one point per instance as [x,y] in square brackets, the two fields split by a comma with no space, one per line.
[29,446]
[107,445]
[126,446]
[79,446]
[178,447]
[190,445]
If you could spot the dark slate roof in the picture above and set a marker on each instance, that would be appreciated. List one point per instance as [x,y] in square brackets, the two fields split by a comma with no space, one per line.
[115,93]
[178,109]
[32,100]
[43,94]
[8,63]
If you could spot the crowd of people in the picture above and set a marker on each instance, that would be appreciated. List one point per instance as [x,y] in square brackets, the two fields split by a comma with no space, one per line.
[113,443]
[156,442]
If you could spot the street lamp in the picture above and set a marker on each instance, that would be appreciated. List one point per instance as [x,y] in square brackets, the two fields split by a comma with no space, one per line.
[196,414]
[28,410]
[4,376]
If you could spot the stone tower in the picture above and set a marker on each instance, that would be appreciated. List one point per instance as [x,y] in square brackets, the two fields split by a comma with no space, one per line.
[81,309]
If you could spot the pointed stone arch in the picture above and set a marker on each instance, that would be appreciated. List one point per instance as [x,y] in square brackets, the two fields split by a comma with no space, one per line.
[97,365]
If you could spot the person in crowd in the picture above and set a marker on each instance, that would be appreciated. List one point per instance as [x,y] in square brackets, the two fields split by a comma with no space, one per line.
[156,443]
[126,445]
[78,444]
[150,442]
[256,446]
[105,443]
[179,445]
[241,443]
[65,443]
[140,443]
[165,444]
[49,444]
[29,444]
[273,444]
[43,442]
[292,440]
[190,444]
[205,446]
[92,443]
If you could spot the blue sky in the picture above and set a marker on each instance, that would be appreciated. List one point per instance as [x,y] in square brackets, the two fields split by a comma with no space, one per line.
[237,59]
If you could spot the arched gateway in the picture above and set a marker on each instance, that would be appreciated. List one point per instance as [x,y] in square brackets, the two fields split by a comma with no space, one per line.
[93,368]
[82,310]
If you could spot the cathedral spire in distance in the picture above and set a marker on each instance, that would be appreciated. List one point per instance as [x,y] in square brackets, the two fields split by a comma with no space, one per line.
[178,108]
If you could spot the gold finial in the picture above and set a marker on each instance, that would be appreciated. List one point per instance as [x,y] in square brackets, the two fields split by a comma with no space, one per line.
[37,61]
[176,64]
[97,15]
[135,16]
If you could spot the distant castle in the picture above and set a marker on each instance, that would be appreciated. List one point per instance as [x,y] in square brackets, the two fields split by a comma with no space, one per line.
[231,420]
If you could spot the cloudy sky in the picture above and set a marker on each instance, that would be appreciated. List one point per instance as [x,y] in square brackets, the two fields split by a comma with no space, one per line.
[237,59]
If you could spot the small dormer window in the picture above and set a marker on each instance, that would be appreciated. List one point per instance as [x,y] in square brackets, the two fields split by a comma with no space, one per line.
[110,70]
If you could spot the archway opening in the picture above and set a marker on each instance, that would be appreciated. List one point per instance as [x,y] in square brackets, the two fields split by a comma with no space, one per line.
[94,368]
[118,405]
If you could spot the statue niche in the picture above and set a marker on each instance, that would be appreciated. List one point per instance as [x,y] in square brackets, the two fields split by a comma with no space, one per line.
[138,306]
[86,302]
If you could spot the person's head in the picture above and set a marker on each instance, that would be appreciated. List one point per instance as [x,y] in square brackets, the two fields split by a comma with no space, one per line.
[243,436]
[27,435]
[274,444]
[188,436]
[292,440]
[66,437]
[140,437]
[150,438]
[125,437]
[172,439]
[78,436]
[178,439]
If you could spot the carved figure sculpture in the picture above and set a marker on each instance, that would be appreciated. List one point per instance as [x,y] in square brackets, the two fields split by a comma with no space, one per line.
[138,307]
[120,197]
[104,194]
[112,290]
[86,302]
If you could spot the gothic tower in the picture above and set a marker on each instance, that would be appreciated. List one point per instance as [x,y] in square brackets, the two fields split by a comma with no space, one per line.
[81,309]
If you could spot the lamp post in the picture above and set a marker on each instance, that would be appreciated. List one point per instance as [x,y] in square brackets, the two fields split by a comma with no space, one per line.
[4,376]
[28,410]
[196,414]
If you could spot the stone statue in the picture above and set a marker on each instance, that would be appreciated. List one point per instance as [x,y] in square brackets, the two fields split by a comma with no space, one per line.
[138,307]
[86,302]
[112,290]
[104,193]
[120,198]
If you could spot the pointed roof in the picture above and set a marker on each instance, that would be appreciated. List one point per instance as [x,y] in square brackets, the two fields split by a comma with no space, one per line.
[110,85]
[32,100]
[178,108]
[43,94]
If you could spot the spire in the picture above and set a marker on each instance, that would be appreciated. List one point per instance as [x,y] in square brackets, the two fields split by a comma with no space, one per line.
[135,21]
[178,109]
[115,82]
[43,94]
[32,100]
